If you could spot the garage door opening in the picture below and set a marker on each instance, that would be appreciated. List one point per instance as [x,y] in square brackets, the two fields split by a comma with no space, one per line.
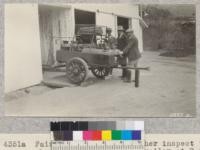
[84,19]
[125,22]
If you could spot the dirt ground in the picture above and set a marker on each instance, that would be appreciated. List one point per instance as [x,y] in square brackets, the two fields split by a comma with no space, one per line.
[167,90]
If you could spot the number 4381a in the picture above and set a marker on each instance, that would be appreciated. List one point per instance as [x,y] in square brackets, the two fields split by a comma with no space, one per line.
[179,115]
[14,144]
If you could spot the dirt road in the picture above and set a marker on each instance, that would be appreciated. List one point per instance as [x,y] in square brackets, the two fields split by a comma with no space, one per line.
[168,89]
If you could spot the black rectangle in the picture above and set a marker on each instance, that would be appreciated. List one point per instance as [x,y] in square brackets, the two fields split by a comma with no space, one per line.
[55,126]
[82,125]
[66,126]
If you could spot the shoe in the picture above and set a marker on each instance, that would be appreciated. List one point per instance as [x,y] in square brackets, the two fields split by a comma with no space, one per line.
[127,80]
[128,76]
[122,77]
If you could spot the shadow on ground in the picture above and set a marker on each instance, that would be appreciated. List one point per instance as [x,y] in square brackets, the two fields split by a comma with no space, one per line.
[166,90]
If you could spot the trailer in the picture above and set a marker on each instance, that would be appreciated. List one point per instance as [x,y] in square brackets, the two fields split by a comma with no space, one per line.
[81,57]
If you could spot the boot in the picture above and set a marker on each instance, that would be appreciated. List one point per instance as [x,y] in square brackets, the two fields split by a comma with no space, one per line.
[123,73]
[128,76]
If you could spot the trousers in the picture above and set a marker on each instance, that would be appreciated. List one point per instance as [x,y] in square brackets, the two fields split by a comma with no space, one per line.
[129,72]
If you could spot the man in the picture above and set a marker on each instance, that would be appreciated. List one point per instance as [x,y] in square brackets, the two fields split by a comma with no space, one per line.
[132,52]
[121,43]
[121,40]
[110,40]
[110,43]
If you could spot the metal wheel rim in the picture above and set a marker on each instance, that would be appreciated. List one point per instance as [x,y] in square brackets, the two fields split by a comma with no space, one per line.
[100,72]
[74,76]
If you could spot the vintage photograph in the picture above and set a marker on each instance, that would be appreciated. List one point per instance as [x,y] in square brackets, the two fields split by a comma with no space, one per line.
[100,60]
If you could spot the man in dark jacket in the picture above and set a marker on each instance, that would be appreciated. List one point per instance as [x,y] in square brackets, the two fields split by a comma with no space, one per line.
[121,40]
[131,51]
[121,44]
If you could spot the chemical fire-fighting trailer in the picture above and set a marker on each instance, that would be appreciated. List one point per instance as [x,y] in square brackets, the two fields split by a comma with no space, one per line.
[79,57]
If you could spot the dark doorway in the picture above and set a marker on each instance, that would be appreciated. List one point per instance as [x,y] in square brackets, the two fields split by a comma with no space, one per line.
[84,19]
[122,21]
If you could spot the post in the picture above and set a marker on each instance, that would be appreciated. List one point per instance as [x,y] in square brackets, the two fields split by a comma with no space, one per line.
[137,75]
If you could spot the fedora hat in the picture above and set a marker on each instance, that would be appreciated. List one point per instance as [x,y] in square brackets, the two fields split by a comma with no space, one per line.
[108,29]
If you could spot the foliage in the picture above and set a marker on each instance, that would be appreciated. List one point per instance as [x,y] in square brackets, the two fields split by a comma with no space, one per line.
[166,31]
[155,12]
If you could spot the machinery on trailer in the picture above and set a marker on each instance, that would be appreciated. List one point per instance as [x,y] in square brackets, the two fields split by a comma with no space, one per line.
[89,51]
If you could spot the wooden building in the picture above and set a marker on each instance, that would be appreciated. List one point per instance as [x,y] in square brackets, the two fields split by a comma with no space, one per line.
[33,32]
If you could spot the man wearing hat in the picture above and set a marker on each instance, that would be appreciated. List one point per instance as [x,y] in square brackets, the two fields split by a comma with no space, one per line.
[110,40]
[132,52]
[121,43]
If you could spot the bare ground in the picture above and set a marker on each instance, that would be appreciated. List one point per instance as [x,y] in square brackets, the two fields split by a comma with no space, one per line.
[167,90]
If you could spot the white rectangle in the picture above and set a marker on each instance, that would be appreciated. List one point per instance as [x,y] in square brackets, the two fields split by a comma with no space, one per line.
[134,125]
[139,125]
[77,135]
[120,125]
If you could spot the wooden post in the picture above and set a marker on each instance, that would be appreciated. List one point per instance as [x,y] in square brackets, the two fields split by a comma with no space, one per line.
[137,75]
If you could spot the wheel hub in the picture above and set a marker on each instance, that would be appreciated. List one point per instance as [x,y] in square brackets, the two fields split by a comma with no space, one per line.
[75,71]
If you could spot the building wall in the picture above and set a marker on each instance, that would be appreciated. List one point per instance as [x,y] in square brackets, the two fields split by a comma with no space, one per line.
[22,46]
[126,10]
[106,14]
[112,21]
[138,32]
[53,25]
[23,62]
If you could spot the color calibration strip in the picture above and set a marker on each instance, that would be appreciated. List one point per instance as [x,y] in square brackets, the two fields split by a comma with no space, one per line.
[97,131]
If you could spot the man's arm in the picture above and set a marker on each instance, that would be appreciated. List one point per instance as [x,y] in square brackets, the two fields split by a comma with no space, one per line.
[128,47]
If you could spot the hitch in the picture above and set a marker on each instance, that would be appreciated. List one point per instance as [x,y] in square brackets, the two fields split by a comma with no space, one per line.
[137,72]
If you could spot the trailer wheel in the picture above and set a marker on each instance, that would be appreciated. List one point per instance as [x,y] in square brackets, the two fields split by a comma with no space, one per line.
[100,72]
[77,70]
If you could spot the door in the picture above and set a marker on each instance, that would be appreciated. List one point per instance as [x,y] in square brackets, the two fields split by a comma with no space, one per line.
[46,36]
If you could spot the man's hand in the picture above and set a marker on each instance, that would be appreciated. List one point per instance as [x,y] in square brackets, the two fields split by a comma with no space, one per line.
[121,53]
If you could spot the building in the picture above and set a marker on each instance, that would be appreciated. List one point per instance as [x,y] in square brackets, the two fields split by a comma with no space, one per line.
[32,33]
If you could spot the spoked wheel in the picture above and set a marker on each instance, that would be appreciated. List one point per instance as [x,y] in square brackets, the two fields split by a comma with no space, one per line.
[77,70]
[100,72]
